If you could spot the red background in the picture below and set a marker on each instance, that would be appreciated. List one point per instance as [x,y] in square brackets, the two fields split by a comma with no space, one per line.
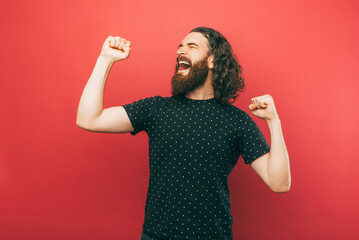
[58,181]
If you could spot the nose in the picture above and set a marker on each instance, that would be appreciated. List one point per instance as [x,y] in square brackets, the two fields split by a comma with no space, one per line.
[180,51]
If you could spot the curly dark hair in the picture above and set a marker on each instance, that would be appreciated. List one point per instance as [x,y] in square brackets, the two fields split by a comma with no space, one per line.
[227,73]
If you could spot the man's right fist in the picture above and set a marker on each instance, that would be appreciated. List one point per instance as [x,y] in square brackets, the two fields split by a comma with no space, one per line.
[116,48]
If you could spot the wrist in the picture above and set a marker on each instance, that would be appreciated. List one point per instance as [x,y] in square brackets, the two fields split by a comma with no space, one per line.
[105,59]
[274,119]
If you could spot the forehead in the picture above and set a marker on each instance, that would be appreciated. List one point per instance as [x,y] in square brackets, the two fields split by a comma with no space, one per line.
[196,37]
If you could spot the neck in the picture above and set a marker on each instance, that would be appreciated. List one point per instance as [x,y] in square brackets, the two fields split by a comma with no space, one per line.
[203,92]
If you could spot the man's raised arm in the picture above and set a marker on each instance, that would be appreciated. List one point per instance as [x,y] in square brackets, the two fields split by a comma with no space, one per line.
[90,113]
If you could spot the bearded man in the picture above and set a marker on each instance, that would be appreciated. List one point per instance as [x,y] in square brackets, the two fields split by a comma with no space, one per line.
[195,136]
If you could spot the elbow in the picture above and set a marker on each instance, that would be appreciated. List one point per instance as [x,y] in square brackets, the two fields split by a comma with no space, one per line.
[281,189]
[83,125]
[282,186]
[284,190]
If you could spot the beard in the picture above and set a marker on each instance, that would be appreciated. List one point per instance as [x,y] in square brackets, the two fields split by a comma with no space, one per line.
[195,77]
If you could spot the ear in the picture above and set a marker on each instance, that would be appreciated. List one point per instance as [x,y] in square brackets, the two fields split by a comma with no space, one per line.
[210,61]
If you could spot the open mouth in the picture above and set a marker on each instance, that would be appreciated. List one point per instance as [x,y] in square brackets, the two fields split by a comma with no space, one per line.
[183,65]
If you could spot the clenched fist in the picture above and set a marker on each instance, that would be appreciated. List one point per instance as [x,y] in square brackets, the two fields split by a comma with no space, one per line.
[116,48]
[263,107]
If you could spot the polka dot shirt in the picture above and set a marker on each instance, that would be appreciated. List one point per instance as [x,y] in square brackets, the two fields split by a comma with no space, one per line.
[193,147]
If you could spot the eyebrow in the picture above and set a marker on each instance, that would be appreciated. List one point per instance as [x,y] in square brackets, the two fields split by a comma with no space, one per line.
[190,43]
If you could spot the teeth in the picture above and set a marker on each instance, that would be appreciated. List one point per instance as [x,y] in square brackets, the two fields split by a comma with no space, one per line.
[183,62]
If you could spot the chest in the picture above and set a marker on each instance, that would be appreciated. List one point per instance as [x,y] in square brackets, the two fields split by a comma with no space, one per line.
[202,129]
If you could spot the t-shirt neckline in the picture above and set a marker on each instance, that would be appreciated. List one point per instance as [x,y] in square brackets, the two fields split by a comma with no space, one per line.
[199,100]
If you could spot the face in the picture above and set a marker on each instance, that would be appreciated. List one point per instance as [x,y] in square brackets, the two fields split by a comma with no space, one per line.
[193,64]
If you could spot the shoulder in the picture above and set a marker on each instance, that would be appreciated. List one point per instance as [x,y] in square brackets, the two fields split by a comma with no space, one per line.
[236,111]
[239,117]
[154,99]
[153,102]
[160,100]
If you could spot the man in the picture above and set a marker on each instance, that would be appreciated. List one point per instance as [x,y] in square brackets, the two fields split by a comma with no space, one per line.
[195,136]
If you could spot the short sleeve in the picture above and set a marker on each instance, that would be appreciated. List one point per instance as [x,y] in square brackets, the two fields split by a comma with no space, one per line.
[252,142]
[140,113]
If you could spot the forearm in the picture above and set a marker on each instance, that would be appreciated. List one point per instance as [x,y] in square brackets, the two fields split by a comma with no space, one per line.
[91,102]
[278,159]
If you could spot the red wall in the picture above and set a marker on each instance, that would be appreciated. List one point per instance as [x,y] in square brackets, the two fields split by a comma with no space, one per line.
[58,181]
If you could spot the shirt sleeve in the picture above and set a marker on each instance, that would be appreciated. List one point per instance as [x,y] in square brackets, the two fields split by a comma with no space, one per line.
[140,113]
[252,142]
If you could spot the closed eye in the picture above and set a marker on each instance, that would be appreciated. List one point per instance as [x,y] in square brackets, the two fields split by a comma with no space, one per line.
[191,45]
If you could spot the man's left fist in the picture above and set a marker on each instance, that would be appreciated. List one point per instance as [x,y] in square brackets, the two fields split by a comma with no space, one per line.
[263,107]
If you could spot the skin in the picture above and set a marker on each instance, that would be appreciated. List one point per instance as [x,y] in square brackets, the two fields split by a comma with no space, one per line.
[273,167]
[195,53]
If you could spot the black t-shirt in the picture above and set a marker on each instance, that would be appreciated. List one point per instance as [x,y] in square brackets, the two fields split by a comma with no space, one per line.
[193,147]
